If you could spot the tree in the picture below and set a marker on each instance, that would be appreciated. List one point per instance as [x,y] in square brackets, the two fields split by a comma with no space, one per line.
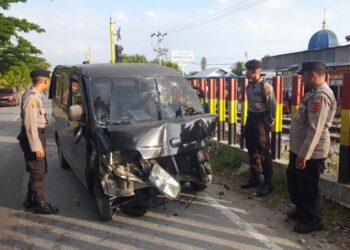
[15,51]
[238,68]
[168,64]
[134,58]
[192,73]
[17,76]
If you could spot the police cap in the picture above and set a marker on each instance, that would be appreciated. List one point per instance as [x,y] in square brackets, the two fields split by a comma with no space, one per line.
[40,72]
[253,64]
[311,66]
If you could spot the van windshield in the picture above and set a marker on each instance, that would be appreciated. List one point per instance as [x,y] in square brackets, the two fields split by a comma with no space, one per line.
[126,100]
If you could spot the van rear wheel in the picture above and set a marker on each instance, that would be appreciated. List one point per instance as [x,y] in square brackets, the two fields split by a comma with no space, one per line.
[103,203]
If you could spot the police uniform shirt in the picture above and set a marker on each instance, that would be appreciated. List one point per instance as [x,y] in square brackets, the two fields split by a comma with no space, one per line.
[33,117]
[255,96]
[309,134]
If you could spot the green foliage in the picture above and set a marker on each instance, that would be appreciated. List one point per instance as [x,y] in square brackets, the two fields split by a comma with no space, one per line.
[192,73]
[171,65]
[17,76]
[168,64]
[5,4]
[134,58]
[226,158]
[17,55]
[238,68]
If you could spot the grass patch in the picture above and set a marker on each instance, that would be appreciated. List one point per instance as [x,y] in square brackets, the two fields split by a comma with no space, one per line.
[279,197]
[332,165]
[333,211]
[225,159]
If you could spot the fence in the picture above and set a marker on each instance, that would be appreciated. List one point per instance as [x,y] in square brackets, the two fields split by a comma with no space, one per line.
[226,98]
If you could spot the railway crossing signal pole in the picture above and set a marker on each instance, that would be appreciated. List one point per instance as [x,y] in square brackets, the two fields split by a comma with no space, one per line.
[277,127]
[114,47]
[111,37]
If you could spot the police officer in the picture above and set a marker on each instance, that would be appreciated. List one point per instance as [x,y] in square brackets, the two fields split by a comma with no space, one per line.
[261,113]
[32,140]
[309,147]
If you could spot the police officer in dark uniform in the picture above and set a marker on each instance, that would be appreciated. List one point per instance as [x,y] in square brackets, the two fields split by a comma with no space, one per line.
[261,113]
[33,142]
[309,147]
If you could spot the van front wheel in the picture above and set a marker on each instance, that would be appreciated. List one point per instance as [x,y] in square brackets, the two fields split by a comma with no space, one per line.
[200,187]
[103,203]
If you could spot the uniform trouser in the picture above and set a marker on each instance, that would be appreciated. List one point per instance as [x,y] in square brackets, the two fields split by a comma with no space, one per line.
[34,166]
[303,187]
[257,136]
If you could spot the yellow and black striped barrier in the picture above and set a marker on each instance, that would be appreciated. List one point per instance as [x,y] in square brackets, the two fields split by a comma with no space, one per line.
[232,127]
[277,127]
[221,108]
[297,94]
[344,153]
[212,97]
[203,86]
[244,110]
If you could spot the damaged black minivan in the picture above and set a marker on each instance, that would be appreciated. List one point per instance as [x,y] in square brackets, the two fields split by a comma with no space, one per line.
[125,129]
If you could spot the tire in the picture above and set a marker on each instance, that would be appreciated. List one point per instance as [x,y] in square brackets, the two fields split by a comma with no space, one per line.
[200,187]
[63,163]
[104,208]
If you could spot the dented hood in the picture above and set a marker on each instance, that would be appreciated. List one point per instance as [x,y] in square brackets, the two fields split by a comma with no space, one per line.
[158,138]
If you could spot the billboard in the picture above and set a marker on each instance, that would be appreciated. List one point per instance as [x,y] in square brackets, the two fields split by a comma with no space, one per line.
[182,57]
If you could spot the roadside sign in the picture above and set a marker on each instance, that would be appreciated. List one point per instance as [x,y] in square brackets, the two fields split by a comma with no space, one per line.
[182,57]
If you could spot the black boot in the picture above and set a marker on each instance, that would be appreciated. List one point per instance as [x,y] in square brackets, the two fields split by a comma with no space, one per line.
[296,215]
[264,190]
[28,202]
[250,184]
[43,207]
[309,227]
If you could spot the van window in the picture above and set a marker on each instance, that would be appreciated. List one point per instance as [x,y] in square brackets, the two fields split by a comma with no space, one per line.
[65,89]
[62,88]
[126,100]
[76,93]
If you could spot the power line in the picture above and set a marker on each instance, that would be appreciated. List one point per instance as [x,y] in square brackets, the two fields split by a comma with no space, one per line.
[209,16]
[246,4]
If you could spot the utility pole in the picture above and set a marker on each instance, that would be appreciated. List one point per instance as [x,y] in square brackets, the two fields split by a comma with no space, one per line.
[90,54]
[159,50]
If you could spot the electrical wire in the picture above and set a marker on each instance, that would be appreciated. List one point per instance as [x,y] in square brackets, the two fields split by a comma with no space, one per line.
[235,9]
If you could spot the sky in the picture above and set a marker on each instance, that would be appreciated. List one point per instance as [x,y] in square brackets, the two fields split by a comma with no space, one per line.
[270,28]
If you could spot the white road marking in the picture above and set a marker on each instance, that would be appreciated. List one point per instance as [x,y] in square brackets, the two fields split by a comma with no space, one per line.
[241,223]
[16,118]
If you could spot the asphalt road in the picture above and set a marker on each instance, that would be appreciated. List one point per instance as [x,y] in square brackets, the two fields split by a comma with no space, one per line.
[203,221]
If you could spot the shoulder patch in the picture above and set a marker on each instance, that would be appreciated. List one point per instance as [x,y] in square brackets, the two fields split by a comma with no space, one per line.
[316,106]
[33,104]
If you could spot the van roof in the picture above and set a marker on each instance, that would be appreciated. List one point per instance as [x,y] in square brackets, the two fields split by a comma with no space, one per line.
[123,70]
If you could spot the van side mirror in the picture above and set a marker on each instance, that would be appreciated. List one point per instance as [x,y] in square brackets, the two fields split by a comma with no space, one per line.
[75,112]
